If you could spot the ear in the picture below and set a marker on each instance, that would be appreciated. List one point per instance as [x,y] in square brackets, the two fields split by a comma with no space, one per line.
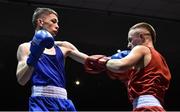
[142,37]
[40,22]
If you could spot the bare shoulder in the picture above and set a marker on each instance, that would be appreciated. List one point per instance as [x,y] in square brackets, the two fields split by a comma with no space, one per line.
[141,49]
[62,43]
[66,45]
[24,46]
[23,50]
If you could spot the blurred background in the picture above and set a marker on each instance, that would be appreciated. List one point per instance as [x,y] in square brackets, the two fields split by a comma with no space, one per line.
[94,27]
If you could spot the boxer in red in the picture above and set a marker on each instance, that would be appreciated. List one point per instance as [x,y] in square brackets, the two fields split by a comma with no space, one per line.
[144,69]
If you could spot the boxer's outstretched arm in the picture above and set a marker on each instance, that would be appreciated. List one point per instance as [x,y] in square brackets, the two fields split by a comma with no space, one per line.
[96,64]
[72,52]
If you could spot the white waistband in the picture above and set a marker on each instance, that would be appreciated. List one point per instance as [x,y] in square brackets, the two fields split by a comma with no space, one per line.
[146,100]
[49,91]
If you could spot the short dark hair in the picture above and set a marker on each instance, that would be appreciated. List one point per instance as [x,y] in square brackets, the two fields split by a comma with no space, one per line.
[148,27]
[40,12]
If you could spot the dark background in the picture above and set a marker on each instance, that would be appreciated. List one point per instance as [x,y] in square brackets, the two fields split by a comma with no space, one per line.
[92,32]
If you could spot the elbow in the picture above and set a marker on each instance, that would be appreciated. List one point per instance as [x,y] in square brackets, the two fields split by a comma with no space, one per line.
[20,81]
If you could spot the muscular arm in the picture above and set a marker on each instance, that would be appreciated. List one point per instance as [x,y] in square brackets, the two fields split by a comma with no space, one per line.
[72,52]
[23,72]
[134,58]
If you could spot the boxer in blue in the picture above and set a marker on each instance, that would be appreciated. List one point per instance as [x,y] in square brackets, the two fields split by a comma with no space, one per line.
[42,62]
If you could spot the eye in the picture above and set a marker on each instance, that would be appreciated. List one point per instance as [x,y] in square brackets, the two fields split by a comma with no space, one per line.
[54,20]
[129,39]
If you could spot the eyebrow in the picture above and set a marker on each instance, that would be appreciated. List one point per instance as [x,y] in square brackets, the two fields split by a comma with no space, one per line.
[146,33]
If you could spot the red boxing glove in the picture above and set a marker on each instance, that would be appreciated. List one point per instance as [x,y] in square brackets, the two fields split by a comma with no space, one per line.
[95,64]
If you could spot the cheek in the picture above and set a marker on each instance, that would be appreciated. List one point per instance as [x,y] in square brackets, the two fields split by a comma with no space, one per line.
[49,27]
[45,26]
[52,26]
[136,41]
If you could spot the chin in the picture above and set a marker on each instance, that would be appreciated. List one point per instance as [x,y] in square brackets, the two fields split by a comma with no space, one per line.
[53,33]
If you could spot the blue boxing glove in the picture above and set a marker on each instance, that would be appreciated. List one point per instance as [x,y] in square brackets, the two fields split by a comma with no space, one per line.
[120,55]
[41,40]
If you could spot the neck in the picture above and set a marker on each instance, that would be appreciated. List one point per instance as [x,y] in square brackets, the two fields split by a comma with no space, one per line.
[149,44]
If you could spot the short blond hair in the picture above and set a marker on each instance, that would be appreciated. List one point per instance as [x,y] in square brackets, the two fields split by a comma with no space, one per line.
[40,12]
[148,27]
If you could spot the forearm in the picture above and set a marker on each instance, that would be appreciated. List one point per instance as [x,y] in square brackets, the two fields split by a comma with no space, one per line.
[97,63]
[115,65]
[23,73]
[78,56]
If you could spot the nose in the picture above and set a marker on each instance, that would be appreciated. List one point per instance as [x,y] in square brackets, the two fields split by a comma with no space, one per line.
[57,26]
[129,45]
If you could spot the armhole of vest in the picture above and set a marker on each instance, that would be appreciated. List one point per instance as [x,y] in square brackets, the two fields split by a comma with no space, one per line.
[150,49]
[58,49]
